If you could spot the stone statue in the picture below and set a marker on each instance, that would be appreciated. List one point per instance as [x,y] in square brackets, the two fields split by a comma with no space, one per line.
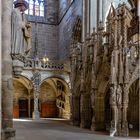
[112,95]
[21,29]
[114,66]
[119,95]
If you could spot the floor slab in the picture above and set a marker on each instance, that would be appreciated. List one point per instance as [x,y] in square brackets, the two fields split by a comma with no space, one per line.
[56,129]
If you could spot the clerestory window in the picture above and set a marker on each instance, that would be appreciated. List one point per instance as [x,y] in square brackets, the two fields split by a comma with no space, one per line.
[36,8]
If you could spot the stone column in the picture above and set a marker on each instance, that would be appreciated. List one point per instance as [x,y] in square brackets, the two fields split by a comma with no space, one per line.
[7,85]
[0,64]
[86,19]
[139,8]
[101,11]
[36,114]
[86,116]
[119,122]
[87,16]
[93,14]
[125,131]
[29,106]
[93,109]
[98,13]
[114,121]
[119,107]
[113,129]
[36,81]
[83,22]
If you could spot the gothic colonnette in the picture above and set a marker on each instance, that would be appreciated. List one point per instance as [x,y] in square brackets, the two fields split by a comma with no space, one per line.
[57,66]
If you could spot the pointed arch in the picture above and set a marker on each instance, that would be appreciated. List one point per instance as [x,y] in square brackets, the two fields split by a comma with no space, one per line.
[77,30]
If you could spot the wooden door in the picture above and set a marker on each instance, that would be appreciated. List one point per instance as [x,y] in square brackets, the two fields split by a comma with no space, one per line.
[23,108]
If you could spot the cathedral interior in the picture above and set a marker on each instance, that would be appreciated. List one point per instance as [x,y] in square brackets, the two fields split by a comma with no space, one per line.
[73,60]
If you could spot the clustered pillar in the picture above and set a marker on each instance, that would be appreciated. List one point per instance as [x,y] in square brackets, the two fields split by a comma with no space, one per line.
[7,85]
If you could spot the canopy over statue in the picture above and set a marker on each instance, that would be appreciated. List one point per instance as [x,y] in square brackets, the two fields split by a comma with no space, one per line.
[21,30]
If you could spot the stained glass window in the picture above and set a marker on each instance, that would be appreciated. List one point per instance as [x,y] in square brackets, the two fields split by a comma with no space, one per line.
[36,8]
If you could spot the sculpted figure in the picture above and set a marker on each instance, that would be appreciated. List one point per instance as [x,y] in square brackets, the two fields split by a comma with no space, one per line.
[112,95]
[21,29]
[114,66]
[119,95]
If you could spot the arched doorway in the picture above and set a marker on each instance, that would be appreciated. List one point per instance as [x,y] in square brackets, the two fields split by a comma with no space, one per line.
[48,99]
[133,109]
[22,95]
[76,108]
[54,98]
[102,106]
[108,111]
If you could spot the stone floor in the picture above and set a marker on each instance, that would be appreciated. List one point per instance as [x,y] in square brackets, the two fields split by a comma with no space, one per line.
[56,129]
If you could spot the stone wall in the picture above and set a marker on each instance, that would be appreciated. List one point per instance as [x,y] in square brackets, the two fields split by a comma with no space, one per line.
[66,25]
[50,13]
[52,34]
[46,38]
[64,5]
[51,7]
[45,32]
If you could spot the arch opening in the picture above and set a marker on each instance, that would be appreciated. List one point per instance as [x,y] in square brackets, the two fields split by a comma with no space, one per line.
[54,98]
[22,98]
[133,109]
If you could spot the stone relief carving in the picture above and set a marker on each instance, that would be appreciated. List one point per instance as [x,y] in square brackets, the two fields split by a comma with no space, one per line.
[112,95]
[119,95]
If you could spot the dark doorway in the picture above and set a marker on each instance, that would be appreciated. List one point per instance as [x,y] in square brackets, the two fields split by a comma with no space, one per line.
[108,111]
[31,107]
[23,108]
[133,109]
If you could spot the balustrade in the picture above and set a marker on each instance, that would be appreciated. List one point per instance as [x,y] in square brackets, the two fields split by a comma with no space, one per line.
[29,64]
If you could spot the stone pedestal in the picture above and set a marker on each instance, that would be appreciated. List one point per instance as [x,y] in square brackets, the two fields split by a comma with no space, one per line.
[113,129]
[36,115]
[7,134]
[17,67]
[119,123]
[125,131]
